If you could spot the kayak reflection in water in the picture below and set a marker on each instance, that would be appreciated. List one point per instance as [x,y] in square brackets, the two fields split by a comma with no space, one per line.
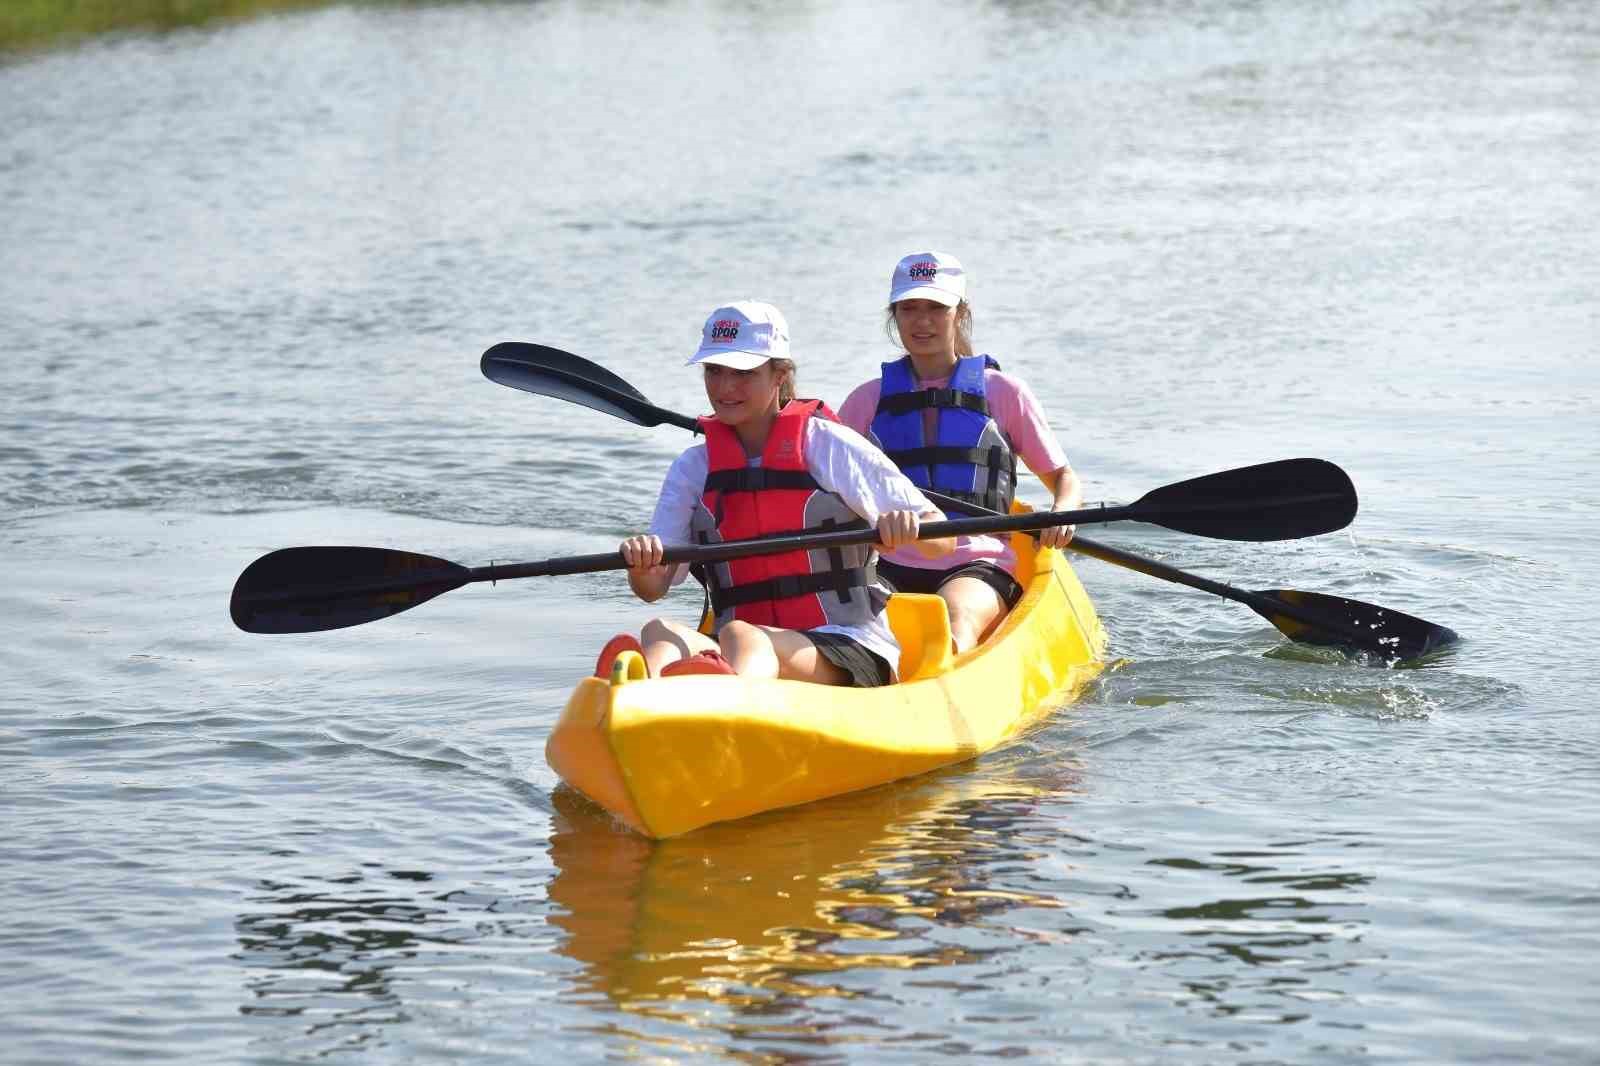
[773,465]
[955,424]
[740,924]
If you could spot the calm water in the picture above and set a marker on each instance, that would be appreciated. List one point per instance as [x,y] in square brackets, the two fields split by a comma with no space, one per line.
[245,278]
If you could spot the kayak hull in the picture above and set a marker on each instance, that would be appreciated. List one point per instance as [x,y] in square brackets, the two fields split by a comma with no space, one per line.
[668,755]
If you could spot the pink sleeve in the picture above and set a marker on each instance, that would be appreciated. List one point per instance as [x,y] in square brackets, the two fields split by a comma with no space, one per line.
[1019,416]
[860,406]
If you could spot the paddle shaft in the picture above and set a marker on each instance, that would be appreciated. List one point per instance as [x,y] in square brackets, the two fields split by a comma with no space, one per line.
[1117,557]
[298,590]
[455,576]
[1366,626]
[527,366]
[1262,603]
[739,549]
[1080,544]
[1256,601]
[1306,617]
[673,418]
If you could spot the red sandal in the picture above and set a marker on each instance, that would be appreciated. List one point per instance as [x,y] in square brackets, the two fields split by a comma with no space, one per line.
[705,662]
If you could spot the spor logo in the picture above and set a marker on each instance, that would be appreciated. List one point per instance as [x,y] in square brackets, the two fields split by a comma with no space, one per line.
[923,271]
[725,329]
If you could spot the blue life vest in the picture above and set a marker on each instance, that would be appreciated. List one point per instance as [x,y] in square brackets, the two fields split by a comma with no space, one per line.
[972,459]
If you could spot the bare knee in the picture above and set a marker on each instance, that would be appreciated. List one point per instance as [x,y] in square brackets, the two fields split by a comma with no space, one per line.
[975,610]
[966,630]
[667,641]
[750,649]
[738,637]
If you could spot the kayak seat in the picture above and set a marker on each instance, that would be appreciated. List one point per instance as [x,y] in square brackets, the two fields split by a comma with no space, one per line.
[921,624]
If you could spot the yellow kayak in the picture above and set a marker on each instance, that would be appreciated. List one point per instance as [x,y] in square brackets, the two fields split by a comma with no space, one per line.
[668,755]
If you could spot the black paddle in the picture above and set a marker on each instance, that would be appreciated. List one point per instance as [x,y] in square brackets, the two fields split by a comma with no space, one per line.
[549,371]
[1306,617]
[303,590]
[1307,496]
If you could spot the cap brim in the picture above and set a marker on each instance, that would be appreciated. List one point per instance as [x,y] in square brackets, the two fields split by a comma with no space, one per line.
[723,357]
[926,292]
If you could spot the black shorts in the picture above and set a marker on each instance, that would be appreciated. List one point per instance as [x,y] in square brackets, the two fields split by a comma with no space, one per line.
[867,669]
[916,579]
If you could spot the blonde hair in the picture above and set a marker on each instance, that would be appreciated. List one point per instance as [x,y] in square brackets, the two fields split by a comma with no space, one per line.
[963,328]
[784,367]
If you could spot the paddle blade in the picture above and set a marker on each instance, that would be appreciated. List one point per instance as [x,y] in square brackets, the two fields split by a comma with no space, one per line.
[1284,500]
[307,590]
[1352,624]
[547,371]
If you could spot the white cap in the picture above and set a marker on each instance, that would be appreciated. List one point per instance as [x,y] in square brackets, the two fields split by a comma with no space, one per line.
[929,276]
[743,335]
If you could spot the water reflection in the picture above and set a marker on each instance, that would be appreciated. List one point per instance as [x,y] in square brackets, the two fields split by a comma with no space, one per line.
[327,953]
[1289,936]
[344,961]
[752,914]
[757,929]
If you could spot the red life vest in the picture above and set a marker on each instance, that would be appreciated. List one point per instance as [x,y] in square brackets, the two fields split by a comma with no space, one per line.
[795,589]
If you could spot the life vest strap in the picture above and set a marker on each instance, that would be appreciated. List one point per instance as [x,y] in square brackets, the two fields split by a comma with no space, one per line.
[841,586]
[991,500]
[757,479]
[998,463]
[900,403]
[944,454]
[828,525]
[783,588]
[967,497]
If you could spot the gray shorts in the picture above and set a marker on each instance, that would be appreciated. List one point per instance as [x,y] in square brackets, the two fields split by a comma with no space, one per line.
[867,669]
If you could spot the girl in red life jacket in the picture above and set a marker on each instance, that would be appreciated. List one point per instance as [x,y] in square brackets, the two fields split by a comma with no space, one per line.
[772,465]
[957,425]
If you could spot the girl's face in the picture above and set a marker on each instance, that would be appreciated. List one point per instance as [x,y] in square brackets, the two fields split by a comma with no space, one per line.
[738,396]
[927,327]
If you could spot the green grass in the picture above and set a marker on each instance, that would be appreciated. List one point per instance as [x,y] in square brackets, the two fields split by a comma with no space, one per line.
[27,24]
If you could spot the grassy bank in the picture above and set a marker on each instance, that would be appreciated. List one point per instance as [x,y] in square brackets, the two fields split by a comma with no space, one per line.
[27,24]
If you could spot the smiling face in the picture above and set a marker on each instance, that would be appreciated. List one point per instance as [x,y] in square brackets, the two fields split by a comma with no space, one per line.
[927,328]
[743,397]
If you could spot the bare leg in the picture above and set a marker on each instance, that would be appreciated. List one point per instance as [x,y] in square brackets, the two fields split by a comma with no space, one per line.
[766,651]
[666,642]
[975,609]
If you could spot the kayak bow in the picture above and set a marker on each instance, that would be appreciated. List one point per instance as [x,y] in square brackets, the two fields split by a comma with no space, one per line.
[668,755]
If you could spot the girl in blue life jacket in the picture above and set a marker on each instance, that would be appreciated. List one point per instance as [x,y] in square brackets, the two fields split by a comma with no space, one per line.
[956,424]
[773,465]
